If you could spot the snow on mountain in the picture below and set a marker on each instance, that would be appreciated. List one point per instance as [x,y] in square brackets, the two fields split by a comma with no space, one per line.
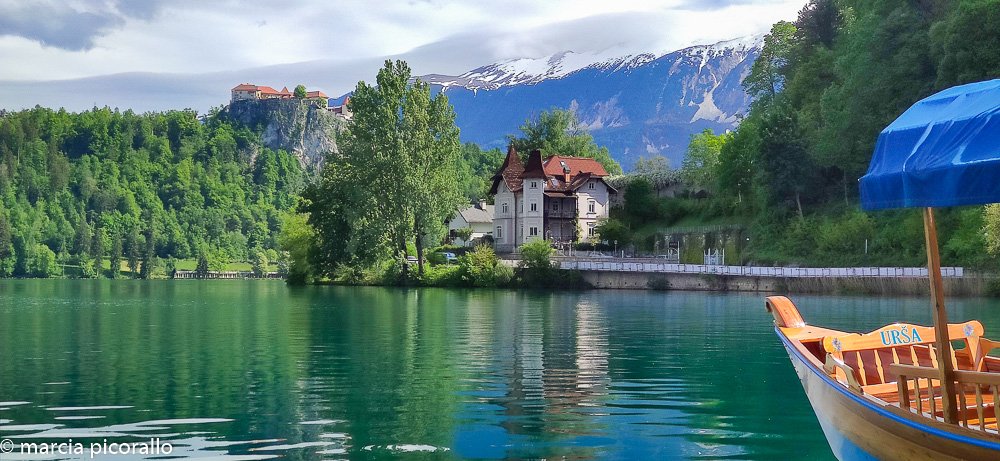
[636,105]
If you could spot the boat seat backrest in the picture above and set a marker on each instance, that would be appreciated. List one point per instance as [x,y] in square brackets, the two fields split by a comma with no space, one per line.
[869,354]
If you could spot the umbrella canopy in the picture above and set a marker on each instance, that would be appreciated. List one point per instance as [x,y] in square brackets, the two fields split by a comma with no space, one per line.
[943,151]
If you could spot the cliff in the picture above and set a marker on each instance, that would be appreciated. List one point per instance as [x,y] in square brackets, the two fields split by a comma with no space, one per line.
[300,127]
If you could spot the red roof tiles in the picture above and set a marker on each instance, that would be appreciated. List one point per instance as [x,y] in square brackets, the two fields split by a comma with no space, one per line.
[557,179]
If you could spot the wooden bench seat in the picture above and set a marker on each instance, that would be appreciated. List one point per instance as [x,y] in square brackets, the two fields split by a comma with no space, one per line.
[862,360]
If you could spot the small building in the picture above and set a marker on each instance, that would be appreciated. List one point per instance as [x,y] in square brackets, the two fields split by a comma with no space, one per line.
[249,91]
[560,198]
[478,217]
[341,109]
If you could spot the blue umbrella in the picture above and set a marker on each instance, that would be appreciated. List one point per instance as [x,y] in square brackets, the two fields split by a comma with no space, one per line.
[943,151]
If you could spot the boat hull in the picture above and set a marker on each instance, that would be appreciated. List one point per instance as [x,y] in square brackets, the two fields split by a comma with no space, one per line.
[859,428]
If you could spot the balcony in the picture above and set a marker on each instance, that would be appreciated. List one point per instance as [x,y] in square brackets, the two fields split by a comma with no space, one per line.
[561,214]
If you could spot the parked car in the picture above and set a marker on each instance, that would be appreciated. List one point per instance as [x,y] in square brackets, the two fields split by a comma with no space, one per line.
[411,260]
[450,258]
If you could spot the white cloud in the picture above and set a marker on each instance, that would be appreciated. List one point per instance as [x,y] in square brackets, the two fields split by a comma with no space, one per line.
[336,43]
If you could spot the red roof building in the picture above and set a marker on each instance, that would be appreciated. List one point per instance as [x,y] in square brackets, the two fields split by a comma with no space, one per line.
[246,91]
[556,199]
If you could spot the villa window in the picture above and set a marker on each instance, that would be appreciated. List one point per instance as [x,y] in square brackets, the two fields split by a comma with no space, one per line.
[532,231]
[534,206]
[555,206]
[591,206]
[504,207]
[534,184]
[499,232]
[590,229]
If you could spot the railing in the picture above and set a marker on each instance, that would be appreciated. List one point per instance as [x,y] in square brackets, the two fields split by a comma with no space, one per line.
[970,384]
[652,265]
[225,275]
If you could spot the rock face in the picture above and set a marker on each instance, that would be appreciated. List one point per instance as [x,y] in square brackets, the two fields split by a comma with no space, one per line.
[641,105]
[297,126]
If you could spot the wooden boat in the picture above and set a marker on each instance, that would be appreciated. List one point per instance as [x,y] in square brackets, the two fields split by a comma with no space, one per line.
[878,396]
[910,392]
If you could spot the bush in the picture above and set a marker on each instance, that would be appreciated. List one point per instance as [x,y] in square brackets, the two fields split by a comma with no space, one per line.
[43,262]
[536,267]
[442,276]
[993,288]
[613,230]
[482,268]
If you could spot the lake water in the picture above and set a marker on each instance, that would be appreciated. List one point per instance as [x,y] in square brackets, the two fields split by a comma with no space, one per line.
[255,370]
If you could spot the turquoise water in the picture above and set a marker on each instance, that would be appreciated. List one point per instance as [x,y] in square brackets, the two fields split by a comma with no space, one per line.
[256,370]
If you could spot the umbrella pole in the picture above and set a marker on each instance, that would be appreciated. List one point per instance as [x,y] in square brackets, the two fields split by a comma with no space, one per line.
[942,341]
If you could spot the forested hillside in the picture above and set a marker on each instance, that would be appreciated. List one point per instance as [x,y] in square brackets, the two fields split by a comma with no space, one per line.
[84,189]
[824,87]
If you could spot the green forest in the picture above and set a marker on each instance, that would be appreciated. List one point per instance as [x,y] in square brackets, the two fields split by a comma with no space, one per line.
[90,194]
[85,194]
[824,86]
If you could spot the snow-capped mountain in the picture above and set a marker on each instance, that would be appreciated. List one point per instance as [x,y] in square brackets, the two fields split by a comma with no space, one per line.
[636,105]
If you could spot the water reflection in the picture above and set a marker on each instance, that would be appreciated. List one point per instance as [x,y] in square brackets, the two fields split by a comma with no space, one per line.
[255,370]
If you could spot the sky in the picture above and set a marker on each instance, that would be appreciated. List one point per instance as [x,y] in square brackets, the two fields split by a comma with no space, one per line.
[172,54]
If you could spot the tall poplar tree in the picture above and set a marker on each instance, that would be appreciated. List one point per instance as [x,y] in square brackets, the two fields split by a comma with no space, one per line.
[394,180]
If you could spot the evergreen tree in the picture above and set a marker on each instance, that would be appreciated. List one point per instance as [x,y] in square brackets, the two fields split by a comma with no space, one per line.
[150,254]
[7,256]
[83,238]
[133,253]
[201,270]
[116,255]
[98,250]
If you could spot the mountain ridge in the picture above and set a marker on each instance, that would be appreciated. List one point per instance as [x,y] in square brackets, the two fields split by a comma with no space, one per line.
[637,105]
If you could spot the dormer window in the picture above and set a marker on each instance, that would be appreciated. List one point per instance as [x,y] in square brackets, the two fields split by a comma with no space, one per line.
[591,186]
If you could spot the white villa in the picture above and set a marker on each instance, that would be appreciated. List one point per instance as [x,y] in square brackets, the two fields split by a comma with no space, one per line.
[559,199]
[478,216]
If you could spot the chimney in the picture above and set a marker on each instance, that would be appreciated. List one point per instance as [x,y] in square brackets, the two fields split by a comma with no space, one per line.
[482,204]
[566,170]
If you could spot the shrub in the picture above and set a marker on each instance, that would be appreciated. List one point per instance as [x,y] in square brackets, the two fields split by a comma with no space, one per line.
[536,267]
[482,268]
[612,230]
[43,262]
[993,288]
[442,276]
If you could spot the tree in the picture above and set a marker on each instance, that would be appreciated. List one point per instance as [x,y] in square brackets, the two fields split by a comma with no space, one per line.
[201,269]
[656,170]
[767,73]
[116,255]
[83,238]
[966,43]
[613,230]
[43,262]
[463,233]
[393,180]
[559,132]
[735,169]
[7,256]
[297,238]
[259,262]
[149,255]
[991,228]
[699,169]
[785,171]
[640,202]
[133,252]
[300,92]
[98,250]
